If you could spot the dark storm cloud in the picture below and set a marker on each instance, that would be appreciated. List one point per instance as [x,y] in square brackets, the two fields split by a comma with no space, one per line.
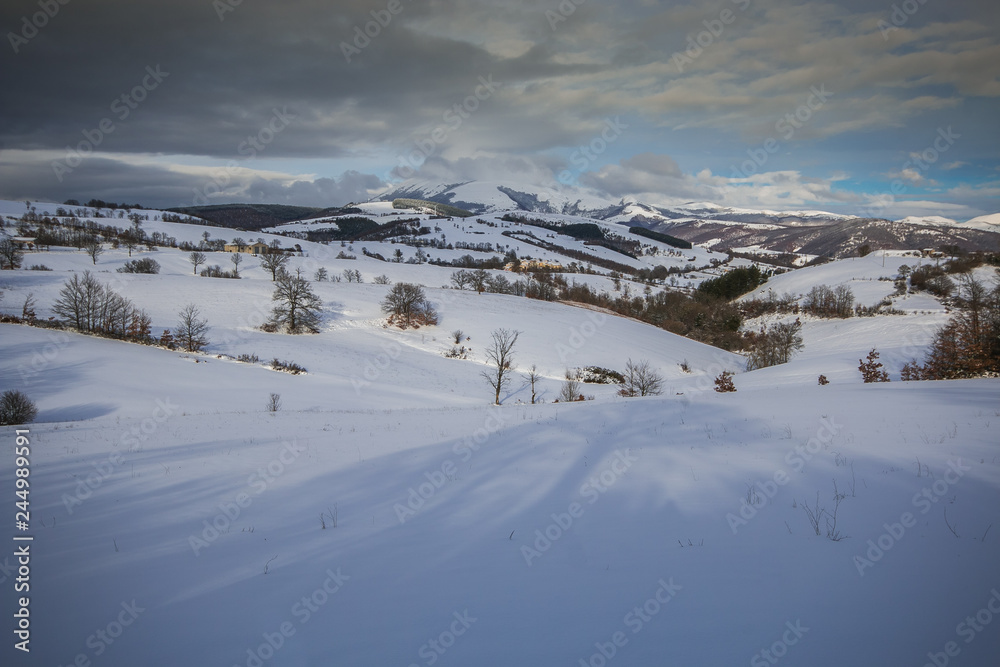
[230,75]
[225,79]
[26,176]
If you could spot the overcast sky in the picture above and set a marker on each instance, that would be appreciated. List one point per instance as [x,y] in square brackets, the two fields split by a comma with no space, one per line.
[886,108]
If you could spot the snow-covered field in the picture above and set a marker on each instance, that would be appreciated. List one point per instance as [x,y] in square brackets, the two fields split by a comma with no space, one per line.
[176,522]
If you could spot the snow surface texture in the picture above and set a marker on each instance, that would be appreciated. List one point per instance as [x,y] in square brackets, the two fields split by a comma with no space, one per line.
[663,530]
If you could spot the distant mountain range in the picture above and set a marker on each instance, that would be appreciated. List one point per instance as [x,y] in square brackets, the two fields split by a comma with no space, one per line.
[719,227]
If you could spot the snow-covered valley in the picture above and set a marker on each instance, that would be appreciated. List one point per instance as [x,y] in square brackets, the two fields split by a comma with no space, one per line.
[389,514]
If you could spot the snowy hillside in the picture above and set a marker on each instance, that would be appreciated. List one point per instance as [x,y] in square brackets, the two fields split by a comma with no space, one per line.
[388,514]
[929,220]
[987,223]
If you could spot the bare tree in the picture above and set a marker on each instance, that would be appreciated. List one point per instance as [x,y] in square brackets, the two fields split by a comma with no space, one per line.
[773,345]
[94,249]
[460,278]
[274,402]
[129,240]
[197,259]
[10,254]
[407,304]
[532,377]
[297,308]
[321,275]
[479,280]
[641,380]
[91,306]
[77,299]
[136,224]
[571,389]
[500,355]
[28,309]
[236,258]
[274,260]
[190,331]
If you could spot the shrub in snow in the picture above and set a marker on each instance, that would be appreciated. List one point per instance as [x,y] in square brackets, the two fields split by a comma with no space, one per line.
[287,366]
[458,352]
[16,408]
[823,380]
[724,382]
[143,265]
[598,375]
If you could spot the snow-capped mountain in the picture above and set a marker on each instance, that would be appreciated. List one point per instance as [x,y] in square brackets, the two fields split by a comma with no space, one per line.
[495,196]
[986,223]
[929,220]
[713,225]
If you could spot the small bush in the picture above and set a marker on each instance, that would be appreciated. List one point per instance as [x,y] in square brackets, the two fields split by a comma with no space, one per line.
[724,382]
[458,352]
[823,380]
[248,358]
[457,335]
[598,375]
[274,403]
[287,366]
[38,267]
[382,280]
[16,408]
[143,265]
